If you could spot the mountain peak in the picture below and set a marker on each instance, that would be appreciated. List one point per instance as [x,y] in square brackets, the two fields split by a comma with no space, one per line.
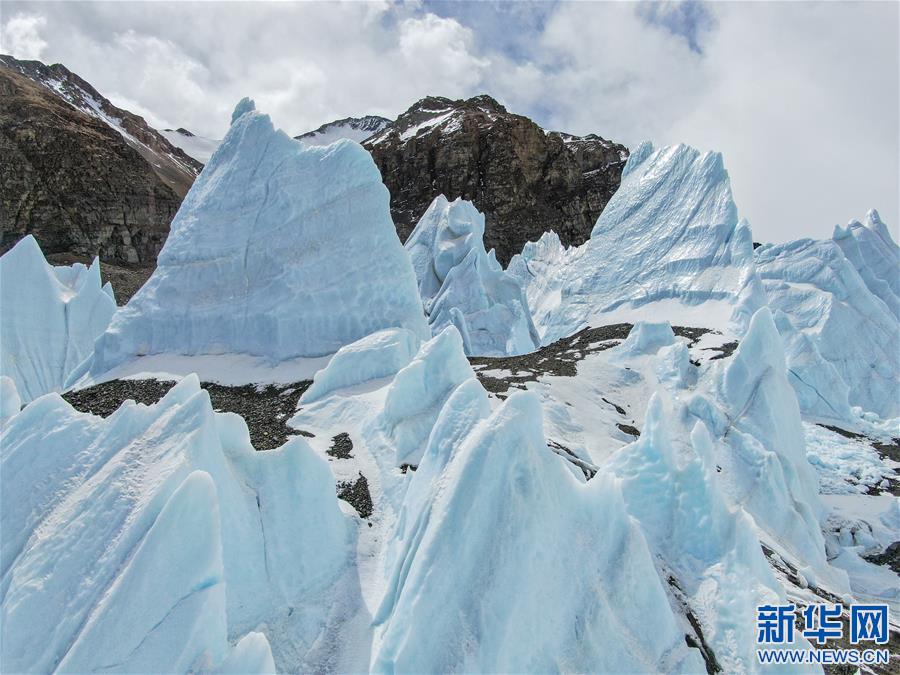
[355,128]
[525,180]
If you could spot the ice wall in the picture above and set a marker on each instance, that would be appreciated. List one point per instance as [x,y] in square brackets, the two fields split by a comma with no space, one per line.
[278,250]
[50,318]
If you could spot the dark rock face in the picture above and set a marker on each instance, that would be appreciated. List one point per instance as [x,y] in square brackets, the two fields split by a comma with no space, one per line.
[525,180]
[72,180]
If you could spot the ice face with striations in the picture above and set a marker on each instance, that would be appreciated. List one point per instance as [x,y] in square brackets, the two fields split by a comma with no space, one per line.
[154,539]
[479,553]
[875,255]
[669,235]
[835,305]
[278,250]
[50,318]
[464,286]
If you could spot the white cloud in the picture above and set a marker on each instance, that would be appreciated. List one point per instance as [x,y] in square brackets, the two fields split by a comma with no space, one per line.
[802,98]
[21,36]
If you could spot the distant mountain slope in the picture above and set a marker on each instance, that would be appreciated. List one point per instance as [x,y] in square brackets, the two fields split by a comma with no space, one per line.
[524,179]
[83,183]
[198,147]
[355,128]
[172,164]
[86,177]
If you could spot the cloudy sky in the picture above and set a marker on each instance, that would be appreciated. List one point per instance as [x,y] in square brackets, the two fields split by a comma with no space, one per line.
[802,98]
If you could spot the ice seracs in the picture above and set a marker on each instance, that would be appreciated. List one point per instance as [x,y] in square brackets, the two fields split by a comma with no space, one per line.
[50,318]
[278,251]
[874,254]
[668,241]
[486,532]
[155,539]
[837,315]
[463,285]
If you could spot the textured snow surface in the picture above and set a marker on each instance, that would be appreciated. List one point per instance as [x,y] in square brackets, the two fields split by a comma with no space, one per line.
[837,314]
[277,251]
[152,540]
[671,231]
[50,318]
[462,285]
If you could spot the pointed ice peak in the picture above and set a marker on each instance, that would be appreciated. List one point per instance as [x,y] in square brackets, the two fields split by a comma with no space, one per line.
[245,105]
[637,157]
[51,317]
[271,255]
[876,225]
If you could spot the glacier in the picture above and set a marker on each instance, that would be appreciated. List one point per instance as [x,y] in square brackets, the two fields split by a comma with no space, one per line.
[603,458]
[278,251]
[668,242]
[50,319]
[463,285]
[159,540]
[845,333]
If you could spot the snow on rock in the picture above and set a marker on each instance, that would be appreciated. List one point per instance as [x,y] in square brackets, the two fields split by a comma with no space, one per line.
[419,391]
[151,539]
[278,251]
[381,354]
[483,554]
[198,147]
[832,315]
[10,402]
[463,285]
[671,231]
[50,319]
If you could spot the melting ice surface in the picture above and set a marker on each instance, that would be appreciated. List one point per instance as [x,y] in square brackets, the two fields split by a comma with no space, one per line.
[624,513]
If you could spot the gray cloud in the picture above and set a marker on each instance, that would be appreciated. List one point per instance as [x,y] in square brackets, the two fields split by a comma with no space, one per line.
[802,98]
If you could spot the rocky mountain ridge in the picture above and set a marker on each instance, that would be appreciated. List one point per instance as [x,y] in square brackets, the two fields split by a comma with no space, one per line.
[171,163]
[90,178]
[79,186]
[524,179]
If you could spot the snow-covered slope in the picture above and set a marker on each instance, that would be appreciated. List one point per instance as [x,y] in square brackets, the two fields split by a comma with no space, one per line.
[198,147]
[50,318]
[463,285]
[352,128]
[278,251]
[172,164]
[668,242]
[837,314]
